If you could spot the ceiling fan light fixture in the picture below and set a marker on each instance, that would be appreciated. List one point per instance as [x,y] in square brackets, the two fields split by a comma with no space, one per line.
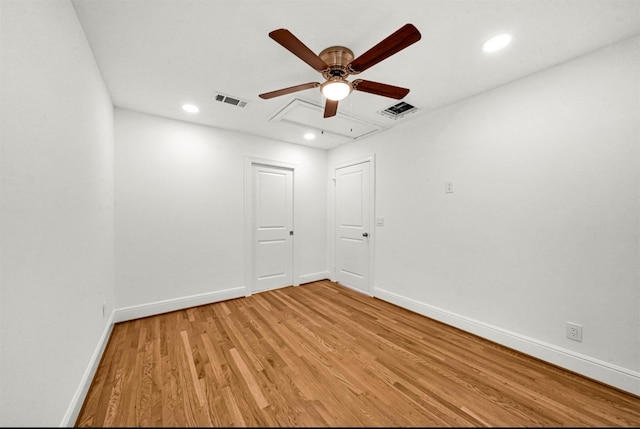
[336,88]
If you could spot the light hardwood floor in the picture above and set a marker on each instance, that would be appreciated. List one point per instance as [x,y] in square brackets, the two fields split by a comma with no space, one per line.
[324,355]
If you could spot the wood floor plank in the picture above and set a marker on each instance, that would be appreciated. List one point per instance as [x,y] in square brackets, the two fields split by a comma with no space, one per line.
[324,355]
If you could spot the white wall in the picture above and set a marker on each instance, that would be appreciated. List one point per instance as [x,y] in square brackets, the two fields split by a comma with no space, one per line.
[180,209]
[543,224]
[57,211]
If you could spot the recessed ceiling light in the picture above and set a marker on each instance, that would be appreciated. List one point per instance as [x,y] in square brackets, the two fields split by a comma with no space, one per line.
[496,43]
[190,108]
[309,136]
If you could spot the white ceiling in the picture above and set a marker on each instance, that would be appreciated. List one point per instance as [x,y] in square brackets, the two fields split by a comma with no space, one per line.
[156,55]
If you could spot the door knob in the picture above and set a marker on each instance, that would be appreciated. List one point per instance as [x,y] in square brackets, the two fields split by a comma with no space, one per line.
[365,234]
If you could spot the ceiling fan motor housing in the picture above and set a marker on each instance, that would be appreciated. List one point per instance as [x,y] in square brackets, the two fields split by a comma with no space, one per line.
[337,58]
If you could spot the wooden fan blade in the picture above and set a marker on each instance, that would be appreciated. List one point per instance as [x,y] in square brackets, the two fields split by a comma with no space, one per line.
[405,36]
[289,90]
[380,89]
[330,108]
[297,48]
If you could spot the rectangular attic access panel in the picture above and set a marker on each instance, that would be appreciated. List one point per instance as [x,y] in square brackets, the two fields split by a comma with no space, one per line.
[309,116]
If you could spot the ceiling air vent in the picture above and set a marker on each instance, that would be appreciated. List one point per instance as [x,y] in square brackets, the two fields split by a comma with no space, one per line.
[231,100]
[398,110]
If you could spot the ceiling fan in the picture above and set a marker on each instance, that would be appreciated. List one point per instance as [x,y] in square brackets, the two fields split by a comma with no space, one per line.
[336,63]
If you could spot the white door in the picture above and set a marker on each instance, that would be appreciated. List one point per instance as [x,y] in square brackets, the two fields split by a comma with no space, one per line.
[273,227]
[352,226]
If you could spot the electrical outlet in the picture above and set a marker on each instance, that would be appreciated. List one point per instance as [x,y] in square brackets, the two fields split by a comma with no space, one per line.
[448,187]
[574,331]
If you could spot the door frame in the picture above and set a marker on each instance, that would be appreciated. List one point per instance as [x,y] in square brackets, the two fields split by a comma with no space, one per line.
[371,159]
[248,238]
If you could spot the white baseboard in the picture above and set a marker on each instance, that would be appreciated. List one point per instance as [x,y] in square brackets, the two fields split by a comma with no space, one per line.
[165,306]
[70,417]
[314,277]
[605,372]
[355,289]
